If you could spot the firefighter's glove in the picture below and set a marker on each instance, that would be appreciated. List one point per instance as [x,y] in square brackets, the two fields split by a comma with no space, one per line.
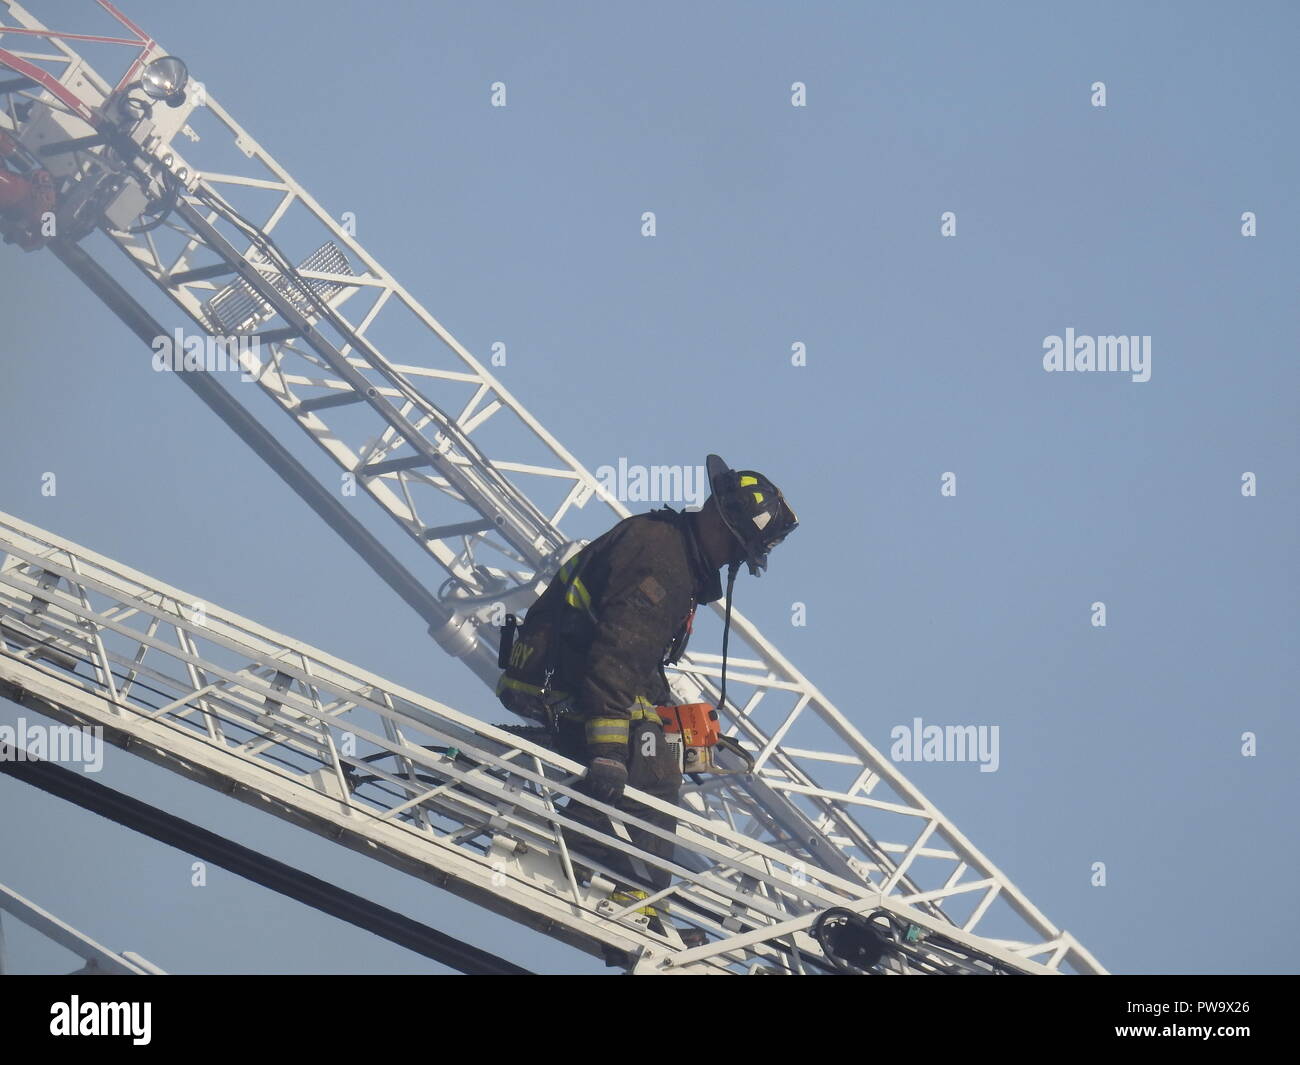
[605,780]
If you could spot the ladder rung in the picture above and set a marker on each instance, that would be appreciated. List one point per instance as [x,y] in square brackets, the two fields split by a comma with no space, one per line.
[332,399]
[199,273]
[464,528]
[274,336]
[409,462]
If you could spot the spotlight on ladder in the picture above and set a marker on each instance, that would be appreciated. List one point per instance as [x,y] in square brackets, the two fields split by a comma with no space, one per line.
[165,79]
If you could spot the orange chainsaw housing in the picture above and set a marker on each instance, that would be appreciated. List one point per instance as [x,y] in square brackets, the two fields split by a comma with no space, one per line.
[697,722]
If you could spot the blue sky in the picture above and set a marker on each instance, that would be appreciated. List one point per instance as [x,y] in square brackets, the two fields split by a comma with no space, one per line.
[776,225]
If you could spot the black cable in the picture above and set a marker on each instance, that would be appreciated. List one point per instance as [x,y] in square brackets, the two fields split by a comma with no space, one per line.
[726,632]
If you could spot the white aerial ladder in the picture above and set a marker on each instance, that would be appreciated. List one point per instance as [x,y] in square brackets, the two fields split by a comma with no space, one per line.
[98,958]
[150,162]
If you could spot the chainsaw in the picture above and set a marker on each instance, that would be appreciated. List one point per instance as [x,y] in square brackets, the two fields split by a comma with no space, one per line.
[694,734]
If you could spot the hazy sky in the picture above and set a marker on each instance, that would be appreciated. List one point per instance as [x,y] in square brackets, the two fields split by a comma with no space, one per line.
[776,225]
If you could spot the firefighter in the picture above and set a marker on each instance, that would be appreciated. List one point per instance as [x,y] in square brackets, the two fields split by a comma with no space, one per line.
[589,657]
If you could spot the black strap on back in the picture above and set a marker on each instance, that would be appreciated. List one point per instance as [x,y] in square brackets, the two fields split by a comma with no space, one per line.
[507,641]
[726,632]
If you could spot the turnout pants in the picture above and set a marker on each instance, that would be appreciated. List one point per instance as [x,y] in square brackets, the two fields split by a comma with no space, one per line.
[652,769]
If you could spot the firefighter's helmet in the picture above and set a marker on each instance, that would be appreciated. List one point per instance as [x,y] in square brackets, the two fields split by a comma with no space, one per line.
[753,508]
